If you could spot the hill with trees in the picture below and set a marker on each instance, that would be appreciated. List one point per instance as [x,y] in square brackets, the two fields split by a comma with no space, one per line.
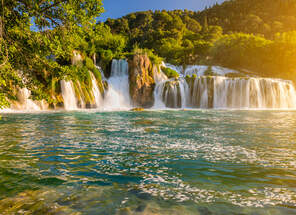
[242,34]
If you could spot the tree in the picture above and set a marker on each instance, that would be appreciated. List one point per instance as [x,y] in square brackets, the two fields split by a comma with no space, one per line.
[27,54]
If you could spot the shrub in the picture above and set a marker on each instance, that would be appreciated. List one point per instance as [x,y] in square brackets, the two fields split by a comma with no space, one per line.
[170,73]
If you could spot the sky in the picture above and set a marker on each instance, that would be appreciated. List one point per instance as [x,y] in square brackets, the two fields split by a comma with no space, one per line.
[119,8]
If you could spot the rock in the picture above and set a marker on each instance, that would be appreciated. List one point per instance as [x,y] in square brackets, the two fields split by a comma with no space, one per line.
[141,81]
[33,202]
[137,109]
[125,211]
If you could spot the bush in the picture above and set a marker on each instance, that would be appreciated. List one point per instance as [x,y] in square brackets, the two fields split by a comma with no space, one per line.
[170,73]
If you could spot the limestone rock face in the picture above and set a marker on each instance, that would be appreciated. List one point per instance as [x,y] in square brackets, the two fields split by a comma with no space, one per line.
[141,81]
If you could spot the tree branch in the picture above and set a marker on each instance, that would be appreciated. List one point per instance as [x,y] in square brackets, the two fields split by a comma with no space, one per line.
[5,57]
[50,6]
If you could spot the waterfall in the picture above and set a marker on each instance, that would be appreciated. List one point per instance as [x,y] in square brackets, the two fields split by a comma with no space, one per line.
[258,93]
[158,75]
[26,104]
[201,70]
[253,93]
[208,87]
[171,94]
[117,95]
[160,79]
[68,94]
[200,93]
[98,100]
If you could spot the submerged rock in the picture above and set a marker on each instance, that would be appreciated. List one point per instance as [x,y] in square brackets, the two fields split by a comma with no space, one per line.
[33,202]
[141,81]
[137,109]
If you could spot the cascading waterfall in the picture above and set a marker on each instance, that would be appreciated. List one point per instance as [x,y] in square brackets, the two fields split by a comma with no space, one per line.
[68,94]
[259,93]
[98,100]
[171,93]
[160,79]
[117,95]
[253,93]
[24,103]
[201,70]
[198,91]
[223,92]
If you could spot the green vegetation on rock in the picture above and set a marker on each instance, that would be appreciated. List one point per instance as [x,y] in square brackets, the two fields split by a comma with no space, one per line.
[170,73]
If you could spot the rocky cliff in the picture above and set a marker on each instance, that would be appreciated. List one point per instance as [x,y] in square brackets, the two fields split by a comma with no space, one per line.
[141,81]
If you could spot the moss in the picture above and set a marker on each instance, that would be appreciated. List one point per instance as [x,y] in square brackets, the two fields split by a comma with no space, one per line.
[77,91]
[97,74]
[170,73]
[88,97]
[190,79]
[89,64]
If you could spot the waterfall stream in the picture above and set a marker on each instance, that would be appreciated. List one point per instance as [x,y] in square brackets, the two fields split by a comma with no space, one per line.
[98,100]
[204,91]
[68,93]
[223,92]
[25,103]
[197,87]
[117,96]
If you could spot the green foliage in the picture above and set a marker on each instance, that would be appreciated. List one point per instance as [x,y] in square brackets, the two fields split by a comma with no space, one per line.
[240,51]
[153,57]
[170,73]
[252,16]
[89,64]
[173,35]
[98,75]
[42,56]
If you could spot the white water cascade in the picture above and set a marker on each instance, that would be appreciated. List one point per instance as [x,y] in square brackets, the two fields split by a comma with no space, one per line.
[117,96]
[195,88]
[204,91]
[201,70]
[26,104]
[253,93]
[242,93]
[98,100]
[68,94]
[171,93]
[160,79]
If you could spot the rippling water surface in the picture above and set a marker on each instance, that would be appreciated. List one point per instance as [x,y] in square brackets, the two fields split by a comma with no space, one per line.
[157,162]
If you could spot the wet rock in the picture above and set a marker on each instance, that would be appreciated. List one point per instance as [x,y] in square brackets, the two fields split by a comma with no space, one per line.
[125,211]
[137,109]
[33,202]
[143,122]
[141,208]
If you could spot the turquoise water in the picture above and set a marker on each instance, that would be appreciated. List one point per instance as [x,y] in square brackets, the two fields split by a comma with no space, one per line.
[155,162]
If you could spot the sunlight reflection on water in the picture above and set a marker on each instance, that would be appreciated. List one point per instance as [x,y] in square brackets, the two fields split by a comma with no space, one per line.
[205,162]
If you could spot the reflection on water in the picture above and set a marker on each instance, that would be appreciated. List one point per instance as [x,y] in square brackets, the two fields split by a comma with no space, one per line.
[158,162]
